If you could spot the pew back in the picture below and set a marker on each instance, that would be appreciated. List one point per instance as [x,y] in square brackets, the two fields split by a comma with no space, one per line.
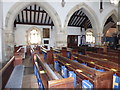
[99,79]
[6,71]
[49,78]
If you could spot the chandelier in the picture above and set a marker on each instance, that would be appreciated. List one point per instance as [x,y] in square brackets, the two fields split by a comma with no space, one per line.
[114,2]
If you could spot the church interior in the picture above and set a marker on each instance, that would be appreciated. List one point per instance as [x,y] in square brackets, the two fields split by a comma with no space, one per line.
[54,44]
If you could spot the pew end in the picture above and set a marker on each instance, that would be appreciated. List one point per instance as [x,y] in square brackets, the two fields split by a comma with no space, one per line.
[61,83]
[103,80]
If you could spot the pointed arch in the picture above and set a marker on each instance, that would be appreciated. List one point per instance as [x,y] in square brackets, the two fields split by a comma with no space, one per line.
[88,11]
[112,13]
[114,16]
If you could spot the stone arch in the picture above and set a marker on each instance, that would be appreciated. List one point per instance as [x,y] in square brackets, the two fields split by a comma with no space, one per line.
[12,14]
[88,11]
[113,14]
[19,6]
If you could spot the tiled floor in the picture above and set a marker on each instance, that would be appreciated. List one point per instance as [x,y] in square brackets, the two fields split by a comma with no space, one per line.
[29,79]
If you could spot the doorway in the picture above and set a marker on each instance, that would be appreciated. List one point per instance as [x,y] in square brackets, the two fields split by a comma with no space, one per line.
[72,41]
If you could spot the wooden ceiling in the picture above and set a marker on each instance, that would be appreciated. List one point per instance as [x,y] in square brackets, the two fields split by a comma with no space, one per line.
[35,15]
[110,19]
[79,19]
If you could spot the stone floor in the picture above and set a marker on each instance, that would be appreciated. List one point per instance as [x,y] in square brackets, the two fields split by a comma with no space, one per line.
[29,79]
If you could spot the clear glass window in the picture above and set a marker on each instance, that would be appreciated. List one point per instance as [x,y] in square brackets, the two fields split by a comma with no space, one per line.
[89,37]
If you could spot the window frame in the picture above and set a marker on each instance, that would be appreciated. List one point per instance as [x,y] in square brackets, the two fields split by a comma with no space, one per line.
[29,34]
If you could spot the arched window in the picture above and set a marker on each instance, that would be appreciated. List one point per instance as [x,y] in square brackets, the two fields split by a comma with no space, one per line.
[34,37]
[89,37]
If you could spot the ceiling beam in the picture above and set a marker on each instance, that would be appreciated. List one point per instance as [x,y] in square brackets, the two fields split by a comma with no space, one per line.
[34,13]
[49,20]
[45,18]
[83,21]
[26,16]
[34,10]
[22,17]
[73,25]
[30,14]
[42,17]
[34,23]
[79,20]
[18,18]
[79,16]
[15,23]
[75,20]
[71,19]
[78,23]
[38,16]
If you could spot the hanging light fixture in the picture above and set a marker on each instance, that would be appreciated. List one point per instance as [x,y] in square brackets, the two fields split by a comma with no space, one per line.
[101,6]
[63,3]
[114,2]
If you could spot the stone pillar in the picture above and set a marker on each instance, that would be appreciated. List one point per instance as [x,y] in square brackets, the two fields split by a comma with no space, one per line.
[61,38]
[1,26]
[98,39]
[0,45]
[9,43]
[119,22]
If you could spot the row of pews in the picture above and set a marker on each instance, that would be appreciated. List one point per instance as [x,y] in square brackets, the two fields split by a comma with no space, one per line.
[6,71]
[46,77]
[97,69]
[69,68]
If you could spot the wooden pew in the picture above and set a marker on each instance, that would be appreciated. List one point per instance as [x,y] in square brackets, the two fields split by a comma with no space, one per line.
[103,64]
[99,79]
[109,52]
[28,49]
[103,57]
[17,48]
[49,55]
[6,71]
[18,56]
[48,77]
[114,51]
[56,50]
[64,51]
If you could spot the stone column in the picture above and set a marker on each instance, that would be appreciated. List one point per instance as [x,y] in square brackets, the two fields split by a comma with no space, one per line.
[1,26]
[8,43]
[119,22]
[61,38]
[0,45]
[98,39]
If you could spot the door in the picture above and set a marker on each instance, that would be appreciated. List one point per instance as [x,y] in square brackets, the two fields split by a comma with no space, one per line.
[72,41]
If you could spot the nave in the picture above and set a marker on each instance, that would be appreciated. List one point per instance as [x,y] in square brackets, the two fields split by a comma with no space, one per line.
[51,44]
[65,68]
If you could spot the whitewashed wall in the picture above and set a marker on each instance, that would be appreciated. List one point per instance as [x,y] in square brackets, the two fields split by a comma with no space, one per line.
[76,31]
[73,31]
[21,39]
[21,35]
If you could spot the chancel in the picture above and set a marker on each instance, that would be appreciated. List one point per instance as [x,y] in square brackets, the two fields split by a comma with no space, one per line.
[54,44]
